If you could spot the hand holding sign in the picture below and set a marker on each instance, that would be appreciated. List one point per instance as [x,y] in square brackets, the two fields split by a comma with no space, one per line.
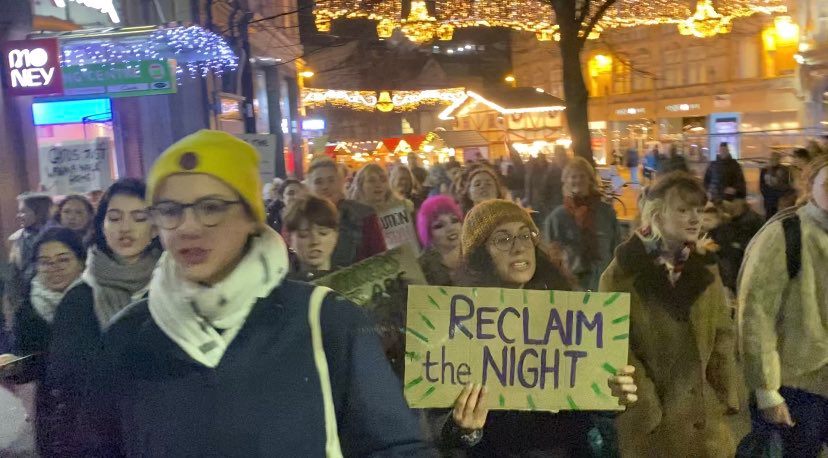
[470,411]
[533,350]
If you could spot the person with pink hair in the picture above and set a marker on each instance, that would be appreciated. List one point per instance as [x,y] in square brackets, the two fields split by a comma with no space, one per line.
[439,225]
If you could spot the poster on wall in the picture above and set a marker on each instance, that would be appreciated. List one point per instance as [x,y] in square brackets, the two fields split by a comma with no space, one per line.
[398,228]
[76,167]
[533,350]
[380,285]
[265,144]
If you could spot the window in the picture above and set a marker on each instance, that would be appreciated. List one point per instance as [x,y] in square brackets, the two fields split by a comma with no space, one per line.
[696,66]
[641,63]
[673,73]
[621,83]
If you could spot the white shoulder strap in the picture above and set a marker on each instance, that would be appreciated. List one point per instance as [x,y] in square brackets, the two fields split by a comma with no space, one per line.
[332,448]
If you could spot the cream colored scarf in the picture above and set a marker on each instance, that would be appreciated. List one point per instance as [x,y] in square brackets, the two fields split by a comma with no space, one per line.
[204,320]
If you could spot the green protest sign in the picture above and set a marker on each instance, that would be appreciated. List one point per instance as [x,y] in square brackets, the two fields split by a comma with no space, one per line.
[379,284]
[533,350]
[120,79]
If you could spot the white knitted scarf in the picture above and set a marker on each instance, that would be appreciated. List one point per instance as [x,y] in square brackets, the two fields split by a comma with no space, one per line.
[204,320]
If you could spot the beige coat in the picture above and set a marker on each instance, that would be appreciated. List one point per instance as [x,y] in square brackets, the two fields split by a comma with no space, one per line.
[682,347]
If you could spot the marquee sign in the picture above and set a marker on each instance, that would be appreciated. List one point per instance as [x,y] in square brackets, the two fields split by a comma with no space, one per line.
[32,67]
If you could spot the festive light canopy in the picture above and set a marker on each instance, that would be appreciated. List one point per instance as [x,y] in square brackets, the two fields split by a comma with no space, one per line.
[422,25]
[195,50]
[384,101]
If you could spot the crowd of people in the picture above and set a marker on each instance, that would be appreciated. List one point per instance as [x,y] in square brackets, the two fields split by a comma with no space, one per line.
[174,317]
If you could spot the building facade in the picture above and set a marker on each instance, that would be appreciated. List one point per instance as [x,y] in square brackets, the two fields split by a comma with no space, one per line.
[650,85]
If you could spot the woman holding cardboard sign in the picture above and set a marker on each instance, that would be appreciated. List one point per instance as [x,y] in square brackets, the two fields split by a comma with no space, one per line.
[681,330]
[500,249]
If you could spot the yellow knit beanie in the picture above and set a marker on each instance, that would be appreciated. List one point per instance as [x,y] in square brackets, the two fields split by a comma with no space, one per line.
[218,154]
[486,216]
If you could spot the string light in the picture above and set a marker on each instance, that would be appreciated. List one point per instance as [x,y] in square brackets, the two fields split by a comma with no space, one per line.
[449,113]
[384,101]
[196,51]
[536,16]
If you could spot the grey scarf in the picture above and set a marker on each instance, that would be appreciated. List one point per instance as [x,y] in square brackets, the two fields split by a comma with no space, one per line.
[114,284]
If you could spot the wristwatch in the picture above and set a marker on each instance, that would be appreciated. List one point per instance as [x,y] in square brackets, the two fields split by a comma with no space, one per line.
[471,438]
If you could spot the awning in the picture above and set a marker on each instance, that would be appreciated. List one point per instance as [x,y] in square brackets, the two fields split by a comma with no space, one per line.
[462,138]
[391,143]
[414,140]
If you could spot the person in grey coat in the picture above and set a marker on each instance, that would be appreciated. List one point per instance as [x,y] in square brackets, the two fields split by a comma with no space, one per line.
[585,227]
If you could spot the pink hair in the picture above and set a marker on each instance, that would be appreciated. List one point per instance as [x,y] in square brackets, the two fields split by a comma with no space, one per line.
[431,209]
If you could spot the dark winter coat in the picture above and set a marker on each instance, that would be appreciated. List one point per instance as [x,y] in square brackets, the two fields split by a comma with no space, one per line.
[32,333]
[544,189]
[360,234]
[265,396]
[560,227]
[674,163]
[775,183]
[733,238]
[723,174]
[436,273]
[65,396]
[632,159]
[683,349]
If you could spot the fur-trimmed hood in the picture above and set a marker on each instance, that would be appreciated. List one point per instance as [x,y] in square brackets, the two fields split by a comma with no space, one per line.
[638,260]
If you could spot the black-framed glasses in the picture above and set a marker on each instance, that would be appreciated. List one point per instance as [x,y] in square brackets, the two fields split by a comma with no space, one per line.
[504,242]
[209,212]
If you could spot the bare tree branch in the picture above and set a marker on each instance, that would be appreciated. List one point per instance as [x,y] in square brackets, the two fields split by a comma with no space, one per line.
[597,17]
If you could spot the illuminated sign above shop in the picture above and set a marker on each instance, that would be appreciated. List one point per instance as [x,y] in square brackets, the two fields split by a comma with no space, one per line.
[683,107]
[104,6]
[313,124]
[32,67]
[630,111]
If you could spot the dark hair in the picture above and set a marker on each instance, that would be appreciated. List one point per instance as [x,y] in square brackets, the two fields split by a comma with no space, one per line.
[132,187]
[284,185]
[77,198]
[314,210]
[550,271]
[39,204]
[466,180]
[802,153]
[63,235]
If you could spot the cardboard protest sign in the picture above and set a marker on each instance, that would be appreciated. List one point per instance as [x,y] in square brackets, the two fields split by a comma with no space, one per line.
[533,350]
[398,228]
[265,144]
[75,167]
[380,285]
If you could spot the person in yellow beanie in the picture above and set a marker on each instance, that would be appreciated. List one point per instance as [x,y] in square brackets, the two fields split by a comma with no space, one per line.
[228,358]
[501,249]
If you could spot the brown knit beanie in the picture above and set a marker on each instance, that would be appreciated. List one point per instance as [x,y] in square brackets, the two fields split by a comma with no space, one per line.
[485,217]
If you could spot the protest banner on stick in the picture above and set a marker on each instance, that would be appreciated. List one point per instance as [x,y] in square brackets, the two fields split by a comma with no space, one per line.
[533,350]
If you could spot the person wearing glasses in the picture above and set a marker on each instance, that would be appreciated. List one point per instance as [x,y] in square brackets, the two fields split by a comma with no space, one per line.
[681,328]
[501,249]
[122,256]
[58,257]
[226,357]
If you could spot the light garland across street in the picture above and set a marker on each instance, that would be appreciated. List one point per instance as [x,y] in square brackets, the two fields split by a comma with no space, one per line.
[384,101]
[700,18]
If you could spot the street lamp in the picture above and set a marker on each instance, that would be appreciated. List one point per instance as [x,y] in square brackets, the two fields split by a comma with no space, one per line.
[510,79]
[306,74]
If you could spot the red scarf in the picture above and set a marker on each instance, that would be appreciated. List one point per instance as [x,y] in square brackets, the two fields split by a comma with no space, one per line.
[582,210]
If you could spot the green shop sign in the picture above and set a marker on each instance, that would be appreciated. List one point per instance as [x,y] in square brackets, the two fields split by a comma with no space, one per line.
[122,79]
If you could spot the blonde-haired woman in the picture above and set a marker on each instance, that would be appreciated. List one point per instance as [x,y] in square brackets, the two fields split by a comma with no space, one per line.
[681,329]
[585,226]
[371,187]
[405,185]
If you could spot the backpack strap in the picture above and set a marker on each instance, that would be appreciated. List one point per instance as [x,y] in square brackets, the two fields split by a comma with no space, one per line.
[793,244]
[332,447]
